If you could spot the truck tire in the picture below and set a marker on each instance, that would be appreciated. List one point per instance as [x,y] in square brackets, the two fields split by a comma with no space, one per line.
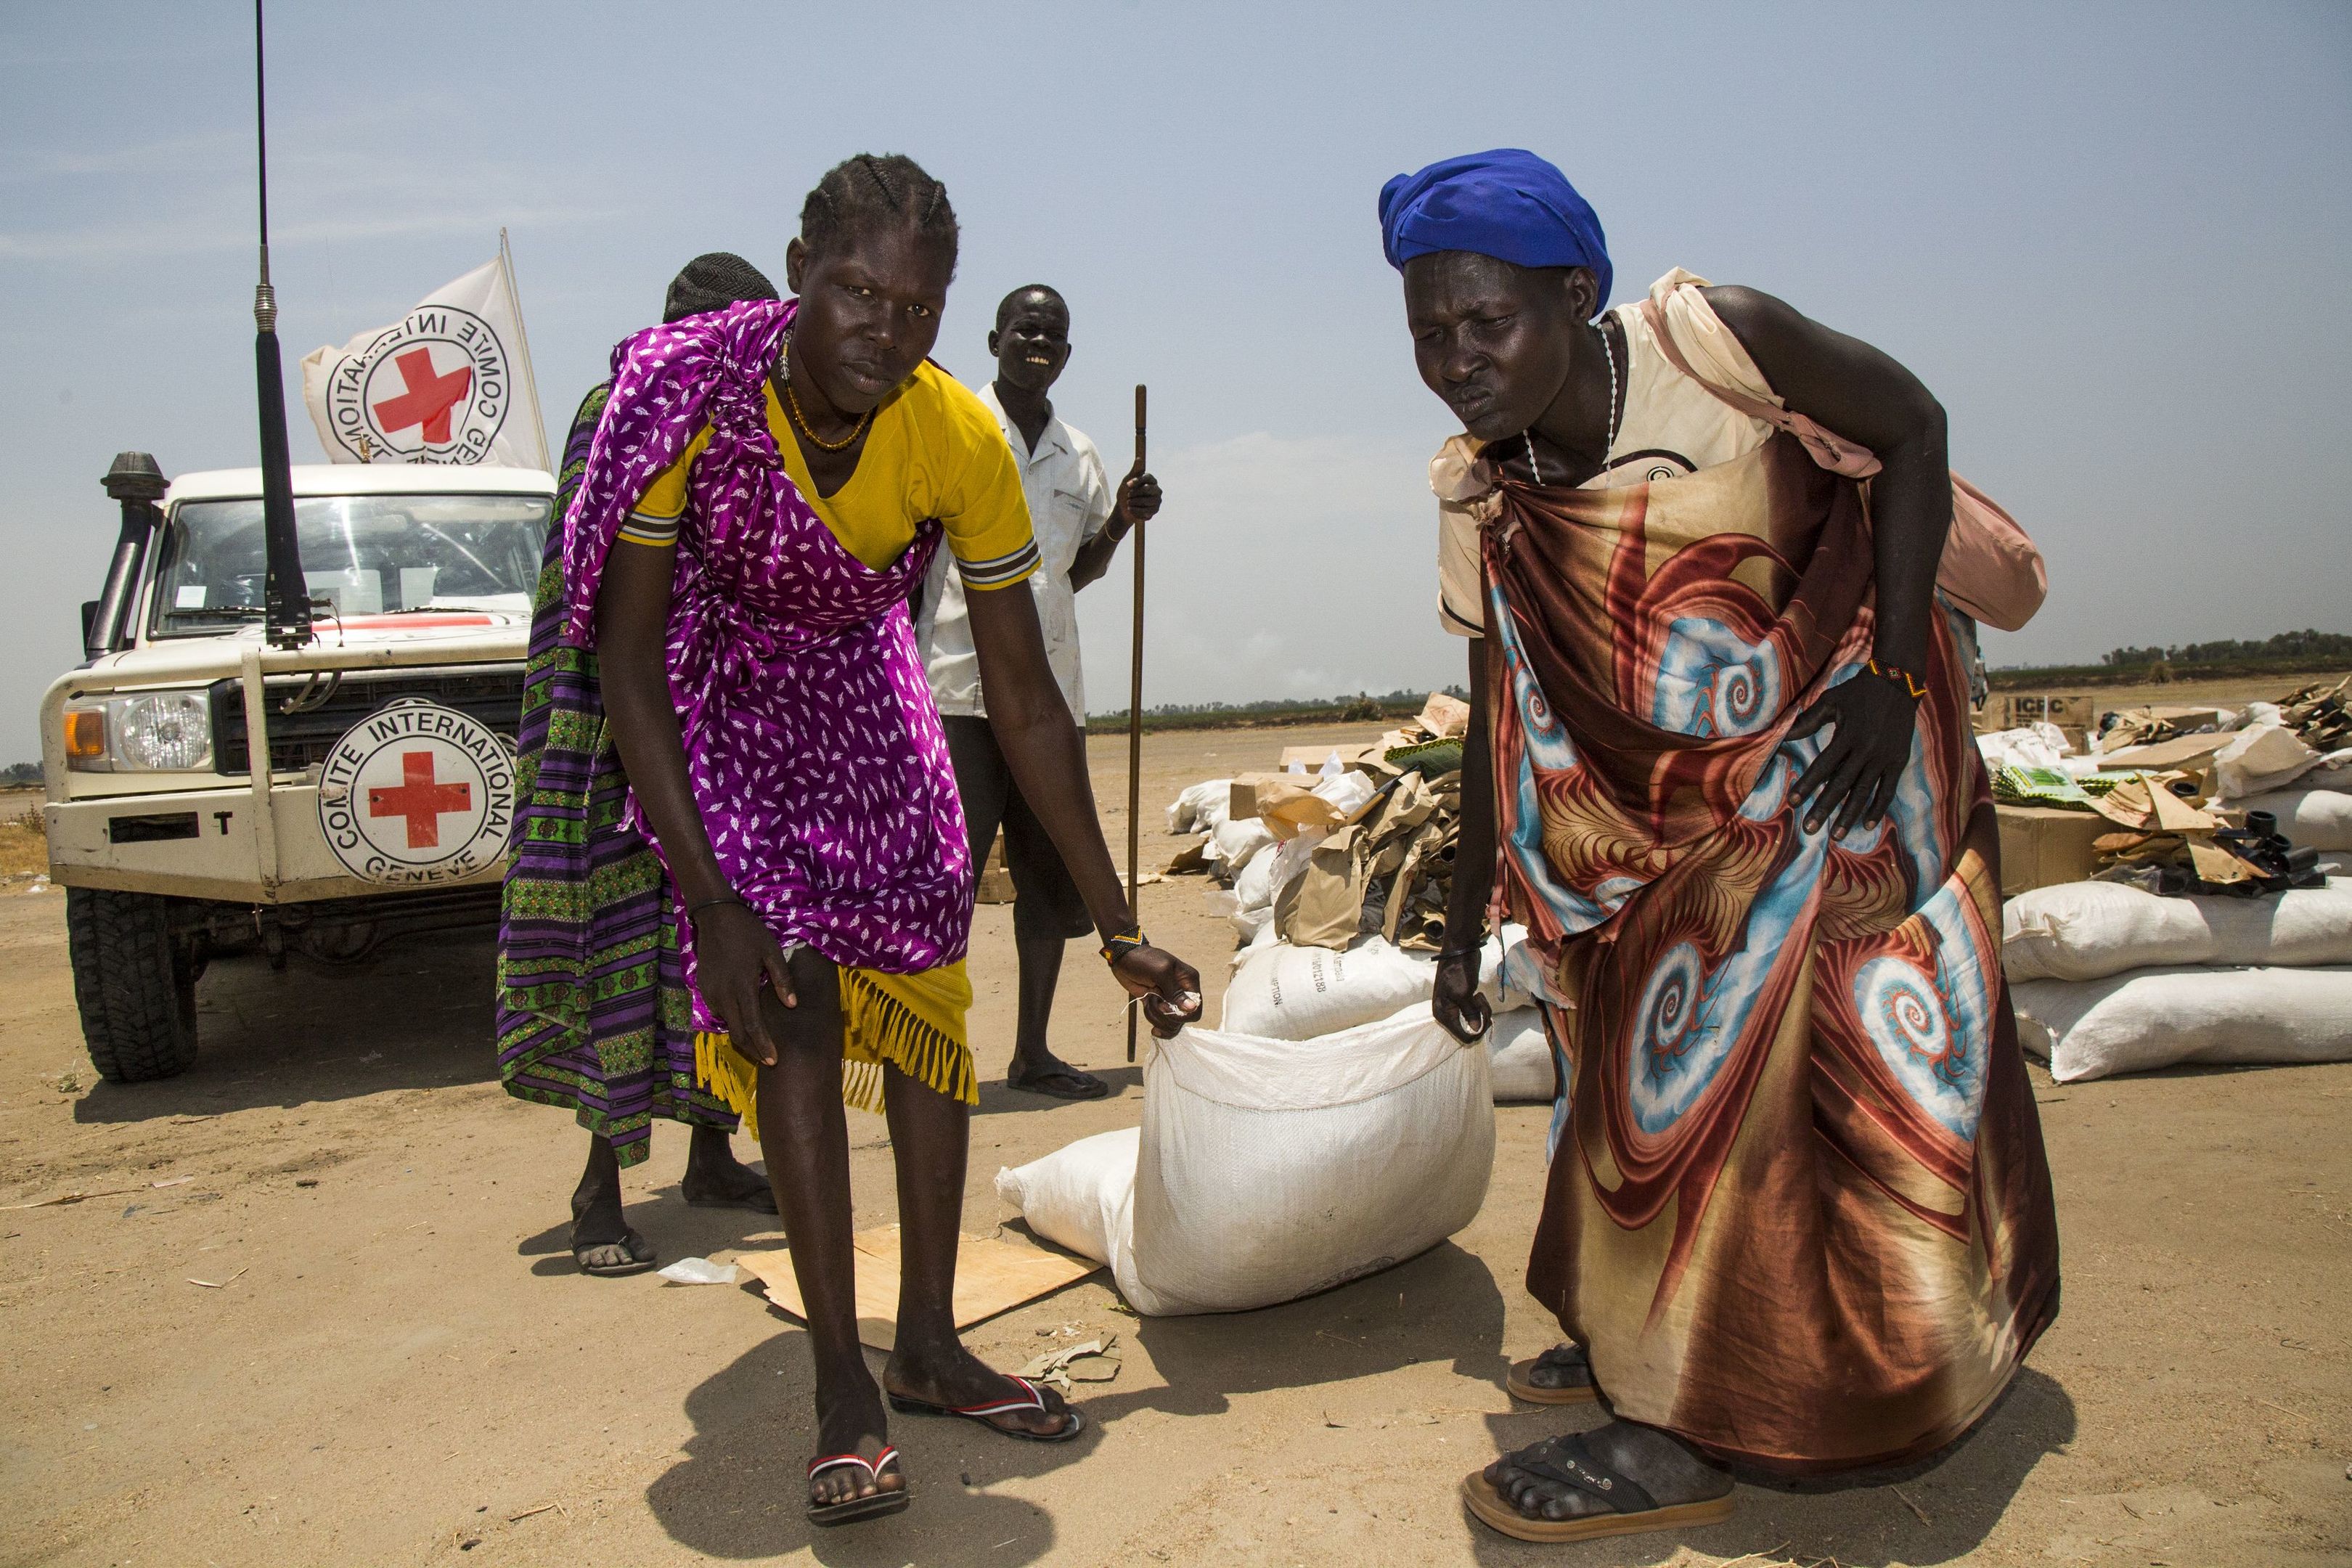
[134,982]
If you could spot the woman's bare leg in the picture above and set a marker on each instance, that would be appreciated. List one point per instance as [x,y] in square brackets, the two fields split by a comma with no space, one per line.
[930,1135]
[805,1137]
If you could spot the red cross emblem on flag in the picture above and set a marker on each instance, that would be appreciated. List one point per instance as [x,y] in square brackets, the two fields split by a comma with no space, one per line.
[428,399]
[420,799]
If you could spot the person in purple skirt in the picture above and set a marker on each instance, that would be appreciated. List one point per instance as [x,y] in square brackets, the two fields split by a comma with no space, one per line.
[766,486]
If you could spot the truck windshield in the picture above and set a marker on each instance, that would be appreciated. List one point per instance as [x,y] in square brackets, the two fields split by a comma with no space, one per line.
[363,555]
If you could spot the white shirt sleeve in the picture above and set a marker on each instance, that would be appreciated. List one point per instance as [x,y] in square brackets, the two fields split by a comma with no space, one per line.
[1101,499]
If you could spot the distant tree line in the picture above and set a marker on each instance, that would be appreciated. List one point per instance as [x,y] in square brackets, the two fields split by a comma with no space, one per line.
[1364,707]
[2305,644]
[20,775]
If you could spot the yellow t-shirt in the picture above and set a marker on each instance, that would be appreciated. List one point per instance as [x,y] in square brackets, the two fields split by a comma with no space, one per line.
[934,451]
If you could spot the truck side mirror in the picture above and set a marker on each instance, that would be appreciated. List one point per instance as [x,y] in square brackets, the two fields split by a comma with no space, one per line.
[136,484]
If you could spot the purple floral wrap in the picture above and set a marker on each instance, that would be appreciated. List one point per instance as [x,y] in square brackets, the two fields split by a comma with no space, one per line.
[811,743]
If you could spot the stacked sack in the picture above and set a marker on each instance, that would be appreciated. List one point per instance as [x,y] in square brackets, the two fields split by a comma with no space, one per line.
[1267,1170]
[2107,977]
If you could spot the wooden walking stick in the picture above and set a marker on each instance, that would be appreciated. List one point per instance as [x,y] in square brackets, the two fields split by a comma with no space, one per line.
[1135,715]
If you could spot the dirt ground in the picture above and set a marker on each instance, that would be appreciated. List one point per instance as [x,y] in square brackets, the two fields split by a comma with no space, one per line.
[318,1308]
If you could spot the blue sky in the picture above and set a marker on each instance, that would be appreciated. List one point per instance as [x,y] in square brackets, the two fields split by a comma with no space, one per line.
[2111,238]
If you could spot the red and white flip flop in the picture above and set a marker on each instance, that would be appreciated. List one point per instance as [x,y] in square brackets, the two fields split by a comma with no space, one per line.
[849,1511]
[1029,1401]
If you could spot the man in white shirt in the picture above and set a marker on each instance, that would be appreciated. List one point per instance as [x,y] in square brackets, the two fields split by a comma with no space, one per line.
[1079,521]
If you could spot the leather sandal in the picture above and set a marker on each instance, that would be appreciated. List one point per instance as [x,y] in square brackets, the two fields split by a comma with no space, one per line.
[1571,1462]
[1521,1384]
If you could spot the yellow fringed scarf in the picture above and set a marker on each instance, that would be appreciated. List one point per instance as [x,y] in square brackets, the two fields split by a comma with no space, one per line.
[912,1021]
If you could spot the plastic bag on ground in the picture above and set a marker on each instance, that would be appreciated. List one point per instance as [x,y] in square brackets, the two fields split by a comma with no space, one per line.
[1269,1170]
[1287,993]
[2152,1018]
[2088,930]
[1518,1058]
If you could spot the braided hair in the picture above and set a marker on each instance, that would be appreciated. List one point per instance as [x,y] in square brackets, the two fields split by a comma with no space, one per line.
[860,195]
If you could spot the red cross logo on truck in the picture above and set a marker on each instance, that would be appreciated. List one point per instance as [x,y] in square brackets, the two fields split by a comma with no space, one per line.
[420,799]
[429,398]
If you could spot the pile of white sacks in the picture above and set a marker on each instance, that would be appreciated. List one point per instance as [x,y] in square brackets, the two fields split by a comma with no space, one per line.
[1328,1128]
[1291,993]
[2108,978]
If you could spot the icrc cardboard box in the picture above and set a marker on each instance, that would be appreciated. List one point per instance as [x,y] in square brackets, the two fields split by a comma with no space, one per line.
[2042,846]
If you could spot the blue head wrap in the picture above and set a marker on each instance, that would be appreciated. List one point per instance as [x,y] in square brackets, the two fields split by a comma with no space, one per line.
[1507,203]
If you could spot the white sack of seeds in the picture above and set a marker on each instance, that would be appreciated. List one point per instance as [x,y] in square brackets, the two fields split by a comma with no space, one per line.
[2153,1018]
[1287,993]
[1519,1057]
[2311,818]
[1237,840]
[1202,808]
[1266,1169]
[2088,930]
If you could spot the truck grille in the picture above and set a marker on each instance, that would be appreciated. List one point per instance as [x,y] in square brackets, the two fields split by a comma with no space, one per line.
[491,693]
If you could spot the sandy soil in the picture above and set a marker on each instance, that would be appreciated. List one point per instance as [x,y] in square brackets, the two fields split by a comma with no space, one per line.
[400,1366]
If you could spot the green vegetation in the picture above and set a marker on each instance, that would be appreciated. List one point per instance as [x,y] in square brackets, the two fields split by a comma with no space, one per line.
[20,775]
[1364,708]
[2289,653]
[2314,648]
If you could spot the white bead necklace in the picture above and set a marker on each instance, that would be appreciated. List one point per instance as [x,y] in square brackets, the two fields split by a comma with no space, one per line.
[1608,349]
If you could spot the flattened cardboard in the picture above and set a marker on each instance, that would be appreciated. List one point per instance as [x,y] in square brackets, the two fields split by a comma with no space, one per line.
[994,1274]
[2182,752]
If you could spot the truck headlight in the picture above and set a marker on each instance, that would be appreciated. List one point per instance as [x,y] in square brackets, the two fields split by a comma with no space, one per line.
[155,731]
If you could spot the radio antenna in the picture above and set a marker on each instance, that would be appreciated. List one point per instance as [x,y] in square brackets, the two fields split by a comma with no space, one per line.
[286,592]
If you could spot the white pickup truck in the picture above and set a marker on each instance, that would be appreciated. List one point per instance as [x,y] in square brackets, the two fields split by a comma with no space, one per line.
[387,793]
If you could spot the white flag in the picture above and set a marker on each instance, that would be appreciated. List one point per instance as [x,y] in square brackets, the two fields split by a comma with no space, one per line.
[448,382]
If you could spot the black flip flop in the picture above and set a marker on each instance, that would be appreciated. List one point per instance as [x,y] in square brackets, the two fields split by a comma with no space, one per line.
[987,1410]
[1571,1462]
[1088,1086]
[642,1256]
[874,1505]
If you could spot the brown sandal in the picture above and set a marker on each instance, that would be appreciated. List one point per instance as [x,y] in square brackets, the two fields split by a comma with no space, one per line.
[1571,1463]
[1521,1387]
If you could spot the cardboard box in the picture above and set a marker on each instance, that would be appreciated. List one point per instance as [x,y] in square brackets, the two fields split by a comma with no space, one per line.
[2042,846]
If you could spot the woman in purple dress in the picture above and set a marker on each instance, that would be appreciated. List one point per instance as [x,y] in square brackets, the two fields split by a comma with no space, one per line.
[767,485]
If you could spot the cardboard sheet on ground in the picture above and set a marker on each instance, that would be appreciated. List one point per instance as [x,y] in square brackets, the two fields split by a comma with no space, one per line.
[994,1274]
